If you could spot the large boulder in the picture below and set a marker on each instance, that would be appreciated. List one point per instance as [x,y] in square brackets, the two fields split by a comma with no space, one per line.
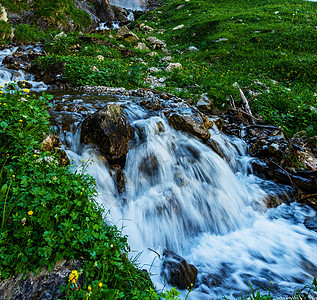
[192,122]
[125,34]
[177,271]
[110,131]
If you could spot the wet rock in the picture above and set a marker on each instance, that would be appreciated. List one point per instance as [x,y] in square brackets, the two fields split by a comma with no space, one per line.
[303,180]
[121,15]
[204,104]
[152,104]
[45,285]
[52,74]
[25,84]
[110,131]
[156,43]
[311,223]
[125,34]
[194,123]
[215,147]
[173,66]
[177,271]
[119,178]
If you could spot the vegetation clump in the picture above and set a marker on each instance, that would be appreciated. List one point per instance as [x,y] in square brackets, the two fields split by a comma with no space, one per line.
[49,213]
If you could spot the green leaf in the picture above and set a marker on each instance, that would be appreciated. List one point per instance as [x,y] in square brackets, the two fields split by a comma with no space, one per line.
[3,191]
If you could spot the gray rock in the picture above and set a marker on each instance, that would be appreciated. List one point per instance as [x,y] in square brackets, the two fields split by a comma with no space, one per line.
[173,66]
[192,49]
[156,43]
[177,271]
[153,70]
[125,34]
[142,46]
[110,131]
[167,59]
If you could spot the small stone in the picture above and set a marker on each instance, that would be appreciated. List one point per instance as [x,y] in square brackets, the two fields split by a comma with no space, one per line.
[142,46]
[180,7]
[153,70]
[125,34]
[192,49]
[60,35]
[173,66]
[167,59]
[152,54]
[156,43]
[179,27]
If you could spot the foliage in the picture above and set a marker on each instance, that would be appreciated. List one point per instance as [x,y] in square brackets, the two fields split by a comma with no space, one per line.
[49,213]
[55,12]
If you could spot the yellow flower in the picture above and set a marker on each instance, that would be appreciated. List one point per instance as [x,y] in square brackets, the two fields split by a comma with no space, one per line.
[271,282]
[13,176]
[4,103]
[30,213]
[73,276]
[100,284]
[26,90]
[2,86]
[1,92]
[89,288]
[20,120]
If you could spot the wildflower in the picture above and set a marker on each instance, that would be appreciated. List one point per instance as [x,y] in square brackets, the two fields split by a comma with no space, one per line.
[34,155]
[13,176]
[23,221]
[26,90]
[20,120]
[89,288]
[73,276]
[1,92]
[30,213]
[2,86]
[4,103]
[271,282]
[100,284]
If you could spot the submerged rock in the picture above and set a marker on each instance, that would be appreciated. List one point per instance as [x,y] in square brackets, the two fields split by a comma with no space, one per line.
[110,131]
[177,271]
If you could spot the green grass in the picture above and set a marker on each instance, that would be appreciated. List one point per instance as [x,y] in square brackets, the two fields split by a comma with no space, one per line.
[56,12]
[271,42]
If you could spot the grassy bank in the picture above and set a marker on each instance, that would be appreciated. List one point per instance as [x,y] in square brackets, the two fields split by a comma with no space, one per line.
[48,213]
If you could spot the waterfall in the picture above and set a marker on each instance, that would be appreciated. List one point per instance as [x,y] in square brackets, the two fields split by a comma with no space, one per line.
[180,194]
[9,75]
[130,4]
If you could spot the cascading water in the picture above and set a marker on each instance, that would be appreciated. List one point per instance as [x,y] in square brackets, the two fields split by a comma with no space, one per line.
[129,4]
[9,75]
[180,194]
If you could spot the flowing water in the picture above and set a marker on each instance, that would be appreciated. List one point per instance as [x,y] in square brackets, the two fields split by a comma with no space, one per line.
[181,195]
[9,75]
[129,4]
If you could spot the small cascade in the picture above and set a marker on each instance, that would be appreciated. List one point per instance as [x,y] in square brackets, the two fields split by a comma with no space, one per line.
[9,75]
[182,195]
[130,4]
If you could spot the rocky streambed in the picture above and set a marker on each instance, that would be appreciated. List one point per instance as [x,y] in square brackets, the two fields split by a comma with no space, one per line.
[207,187]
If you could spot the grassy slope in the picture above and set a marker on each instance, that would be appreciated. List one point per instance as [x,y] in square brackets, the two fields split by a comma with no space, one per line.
[266,40]
[272,42]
